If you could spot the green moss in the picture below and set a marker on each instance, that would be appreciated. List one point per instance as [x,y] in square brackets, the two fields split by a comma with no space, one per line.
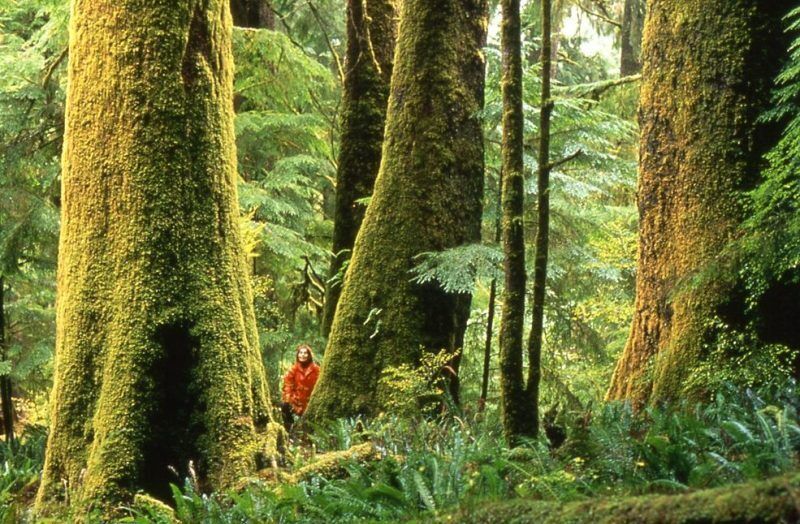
[371,31]
[427,198]
[773,500]
[708,71]
[157,359]
[332,465]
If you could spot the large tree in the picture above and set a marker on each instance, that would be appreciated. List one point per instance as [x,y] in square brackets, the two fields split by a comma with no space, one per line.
[157,360]
[368,70]
[708,73]
[255,14]
[427,198]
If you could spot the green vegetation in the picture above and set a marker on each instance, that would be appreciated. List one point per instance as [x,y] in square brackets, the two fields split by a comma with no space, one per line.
[183,267]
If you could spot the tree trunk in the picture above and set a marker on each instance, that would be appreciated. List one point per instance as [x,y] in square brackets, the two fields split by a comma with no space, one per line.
[427,198]
[631,37]
[770,501]
[514,403]
[487,345]
[157,360]
[5,381]
[542,224]
[708,71]
[370,53]
[256,14]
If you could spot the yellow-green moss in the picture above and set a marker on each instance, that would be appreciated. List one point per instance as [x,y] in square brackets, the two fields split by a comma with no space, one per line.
[332,465]
[771,501]
[708,70]
[427,198]
[157,357]
[515,401]
[371,28]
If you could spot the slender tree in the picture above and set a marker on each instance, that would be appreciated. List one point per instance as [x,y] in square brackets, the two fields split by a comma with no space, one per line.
[256,14]
[487,345]
[631,37]
[368,70]
[542,221]
[427,198]
[5,381]
[708,72]
[157,360]
[514,400]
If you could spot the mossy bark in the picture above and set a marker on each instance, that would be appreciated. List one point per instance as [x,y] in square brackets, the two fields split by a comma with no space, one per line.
[157,359]
[774,500]
[708,71]
[255,14]
[371,28]
[514,398]
[427,198]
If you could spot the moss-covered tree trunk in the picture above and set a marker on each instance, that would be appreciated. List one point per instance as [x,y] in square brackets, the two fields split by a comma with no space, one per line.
[708,70]
[157,360]
[256,14]
[514,400]
[368,70]
[631,37]
[427,198]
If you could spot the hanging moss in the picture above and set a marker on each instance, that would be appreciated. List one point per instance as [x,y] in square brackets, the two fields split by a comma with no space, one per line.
[157,360]
[708,72]
[371,28]
[427,198]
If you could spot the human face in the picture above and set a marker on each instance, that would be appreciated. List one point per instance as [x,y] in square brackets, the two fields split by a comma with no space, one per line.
[303,355]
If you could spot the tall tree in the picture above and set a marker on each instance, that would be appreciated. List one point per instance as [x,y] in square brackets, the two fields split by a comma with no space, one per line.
[157,361]
[708,71]
[427,198]
[256,14]
[542,221]
[631,37]
[514,400]
[368,70]
[6,402]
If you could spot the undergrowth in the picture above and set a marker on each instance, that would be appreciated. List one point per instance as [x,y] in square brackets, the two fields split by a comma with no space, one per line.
[430,464]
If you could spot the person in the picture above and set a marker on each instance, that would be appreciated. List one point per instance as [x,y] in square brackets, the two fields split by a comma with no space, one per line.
[298,383]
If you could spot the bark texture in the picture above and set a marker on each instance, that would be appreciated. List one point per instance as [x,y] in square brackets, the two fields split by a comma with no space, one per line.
[708,71]
[771,501]
[371,28]
[514,399]
[542,221]
[427,198]
[631,37]
[157,359]
[255,14]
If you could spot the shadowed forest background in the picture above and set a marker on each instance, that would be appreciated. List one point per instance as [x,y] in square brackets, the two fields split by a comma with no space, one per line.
[547,253]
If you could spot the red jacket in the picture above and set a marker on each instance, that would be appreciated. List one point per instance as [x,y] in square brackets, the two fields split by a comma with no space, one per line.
[298,384]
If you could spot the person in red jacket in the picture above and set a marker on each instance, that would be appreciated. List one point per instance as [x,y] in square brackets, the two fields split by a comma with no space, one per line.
[298,383]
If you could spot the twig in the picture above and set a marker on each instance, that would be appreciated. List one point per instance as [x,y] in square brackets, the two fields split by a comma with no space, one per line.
[600,16]
[566,159]
[336,58]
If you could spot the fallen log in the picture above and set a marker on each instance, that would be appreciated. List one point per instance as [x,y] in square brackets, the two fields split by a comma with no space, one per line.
[776,500]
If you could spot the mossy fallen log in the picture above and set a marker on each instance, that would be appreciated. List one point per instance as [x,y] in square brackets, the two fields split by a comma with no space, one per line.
[332,465]
[775,500]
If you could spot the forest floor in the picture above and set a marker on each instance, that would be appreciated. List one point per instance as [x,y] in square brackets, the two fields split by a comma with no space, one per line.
[614,466]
